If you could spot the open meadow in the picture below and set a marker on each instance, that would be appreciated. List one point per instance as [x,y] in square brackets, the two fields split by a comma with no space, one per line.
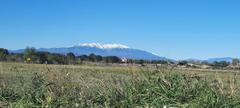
[61,86]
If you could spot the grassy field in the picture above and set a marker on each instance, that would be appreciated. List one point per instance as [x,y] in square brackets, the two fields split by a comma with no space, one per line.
[70,86]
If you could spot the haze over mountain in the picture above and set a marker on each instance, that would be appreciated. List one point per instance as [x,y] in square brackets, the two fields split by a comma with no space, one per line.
[211,60]
[227,59]
[103,50]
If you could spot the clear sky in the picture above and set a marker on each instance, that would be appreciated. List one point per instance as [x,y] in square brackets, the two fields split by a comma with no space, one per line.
[177,29]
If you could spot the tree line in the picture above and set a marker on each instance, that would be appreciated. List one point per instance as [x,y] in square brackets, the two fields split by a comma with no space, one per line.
[214,65]
[31,55]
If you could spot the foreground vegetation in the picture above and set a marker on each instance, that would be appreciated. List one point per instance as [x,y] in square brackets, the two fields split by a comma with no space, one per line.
[54,86]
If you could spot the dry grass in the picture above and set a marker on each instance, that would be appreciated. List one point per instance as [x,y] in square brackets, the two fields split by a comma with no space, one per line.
[115,86]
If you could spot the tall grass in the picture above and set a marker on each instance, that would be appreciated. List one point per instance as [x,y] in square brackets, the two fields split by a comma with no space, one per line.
[148,88]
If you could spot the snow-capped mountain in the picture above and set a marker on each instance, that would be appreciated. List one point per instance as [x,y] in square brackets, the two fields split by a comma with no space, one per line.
[103,46]
[103,50]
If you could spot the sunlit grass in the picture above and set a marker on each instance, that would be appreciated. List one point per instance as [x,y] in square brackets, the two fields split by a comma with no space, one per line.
[54,86]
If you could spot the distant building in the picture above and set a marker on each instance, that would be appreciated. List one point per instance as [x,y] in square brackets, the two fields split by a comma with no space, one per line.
[124,60]
[205,67]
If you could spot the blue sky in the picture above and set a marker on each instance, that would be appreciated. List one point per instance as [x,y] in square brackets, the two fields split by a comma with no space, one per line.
[176,29]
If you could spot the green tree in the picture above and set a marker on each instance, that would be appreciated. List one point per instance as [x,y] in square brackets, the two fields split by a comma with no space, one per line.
[3,54]
[71,58]
[99,58]
[112,59]
[141,62]
[16,58]
[83,58]
[92,57]
[42,57]
[220,65]
[56,58]
[182,63]
[235,62]
[30,54]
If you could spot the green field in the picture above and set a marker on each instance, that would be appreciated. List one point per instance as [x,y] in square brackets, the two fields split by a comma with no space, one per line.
[70,86]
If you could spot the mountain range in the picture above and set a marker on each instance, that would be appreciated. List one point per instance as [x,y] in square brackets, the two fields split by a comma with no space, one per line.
[119,50]
[211,60]
[227,59]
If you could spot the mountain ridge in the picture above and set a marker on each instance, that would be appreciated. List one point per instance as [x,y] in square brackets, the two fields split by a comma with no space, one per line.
[119,50]
[211,60]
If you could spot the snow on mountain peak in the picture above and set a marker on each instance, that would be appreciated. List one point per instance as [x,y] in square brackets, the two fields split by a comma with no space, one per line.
[104,46]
